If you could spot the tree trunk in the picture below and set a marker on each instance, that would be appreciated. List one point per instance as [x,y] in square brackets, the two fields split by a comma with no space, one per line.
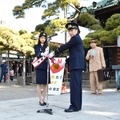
[24,66]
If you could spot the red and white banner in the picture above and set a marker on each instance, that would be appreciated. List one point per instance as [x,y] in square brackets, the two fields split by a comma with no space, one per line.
[36,62]
[56,76]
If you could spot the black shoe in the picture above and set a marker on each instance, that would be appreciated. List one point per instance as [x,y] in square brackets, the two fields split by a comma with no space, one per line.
[70,110]
[42,104]
[118,89]
[99,93]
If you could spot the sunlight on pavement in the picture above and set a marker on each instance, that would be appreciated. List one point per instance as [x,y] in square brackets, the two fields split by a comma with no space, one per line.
[109,90]
[101,113]
[2,87]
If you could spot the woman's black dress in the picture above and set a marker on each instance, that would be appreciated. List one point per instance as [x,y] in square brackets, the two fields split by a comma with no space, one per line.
[41,70]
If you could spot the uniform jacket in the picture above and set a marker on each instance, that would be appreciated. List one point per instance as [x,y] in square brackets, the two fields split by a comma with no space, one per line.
[4,68]
[97,62]
[76,52]
[38,51]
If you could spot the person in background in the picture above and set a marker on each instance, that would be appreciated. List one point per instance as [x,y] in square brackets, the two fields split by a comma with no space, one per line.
[77,65]
[20,69]
[96,61]
[42,49]
[94,5]
[3,71]
[11,74]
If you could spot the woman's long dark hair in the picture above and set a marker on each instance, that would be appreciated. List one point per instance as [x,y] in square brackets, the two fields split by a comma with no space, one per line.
[45,43]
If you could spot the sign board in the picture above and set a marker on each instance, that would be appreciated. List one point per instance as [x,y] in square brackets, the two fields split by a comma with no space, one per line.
[56,76]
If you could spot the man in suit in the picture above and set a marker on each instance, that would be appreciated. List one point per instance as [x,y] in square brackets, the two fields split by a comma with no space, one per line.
[96,61]
[76,63]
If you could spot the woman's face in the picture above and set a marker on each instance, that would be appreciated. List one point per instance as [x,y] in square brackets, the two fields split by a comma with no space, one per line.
[42,39]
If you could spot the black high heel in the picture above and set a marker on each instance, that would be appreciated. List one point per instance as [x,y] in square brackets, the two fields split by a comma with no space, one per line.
[42,104]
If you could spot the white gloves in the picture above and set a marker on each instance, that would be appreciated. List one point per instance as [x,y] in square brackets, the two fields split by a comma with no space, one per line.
[42,54]
[51,54]
[45,54]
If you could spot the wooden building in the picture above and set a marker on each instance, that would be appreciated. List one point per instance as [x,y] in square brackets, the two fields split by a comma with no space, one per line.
[112,55]
[106,11]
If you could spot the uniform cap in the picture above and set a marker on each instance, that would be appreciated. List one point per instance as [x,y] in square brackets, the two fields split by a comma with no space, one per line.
[72,25]
[42,34]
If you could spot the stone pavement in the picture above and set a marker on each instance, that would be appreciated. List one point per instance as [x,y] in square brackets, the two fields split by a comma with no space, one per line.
[21,103]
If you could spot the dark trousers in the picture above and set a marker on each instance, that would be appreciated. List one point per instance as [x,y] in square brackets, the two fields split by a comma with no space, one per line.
[11,78]
[3,74]
[76,89]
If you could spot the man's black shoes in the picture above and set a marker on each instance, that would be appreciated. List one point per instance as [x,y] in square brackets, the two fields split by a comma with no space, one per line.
[70,110]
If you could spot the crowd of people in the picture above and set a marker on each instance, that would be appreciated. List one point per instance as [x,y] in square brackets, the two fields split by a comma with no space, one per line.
[14,71]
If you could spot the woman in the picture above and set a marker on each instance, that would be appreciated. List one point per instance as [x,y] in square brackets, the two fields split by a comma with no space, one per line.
[42,49]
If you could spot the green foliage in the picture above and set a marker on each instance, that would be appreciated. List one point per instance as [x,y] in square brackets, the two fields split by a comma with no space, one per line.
[22,32]
[58,24]
[51,26]
[107,36]
[113,22]
[49,31]
[19,11]
[95,27]
[53,47]
[41,27]
[87,20]
[117,31]
[53,8]
[86,42]
[50,12]
[11,40]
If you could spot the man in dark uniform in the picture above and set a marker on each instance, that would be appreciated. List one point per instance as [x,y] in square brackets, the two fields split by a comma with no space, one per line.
[3,71]
[77,65]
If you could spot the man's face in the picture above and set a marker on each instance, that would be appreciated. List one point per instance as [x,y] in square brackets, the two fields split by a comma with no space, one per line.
[72,32]
[93,45]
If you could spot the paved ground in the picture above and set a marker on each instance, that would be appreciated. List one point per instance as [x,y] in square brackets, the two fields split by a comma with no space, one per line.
[21,103]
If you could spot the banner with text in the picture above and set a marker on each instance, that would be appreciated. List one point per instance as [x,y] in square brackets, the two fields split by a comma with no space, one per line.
[56,76]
